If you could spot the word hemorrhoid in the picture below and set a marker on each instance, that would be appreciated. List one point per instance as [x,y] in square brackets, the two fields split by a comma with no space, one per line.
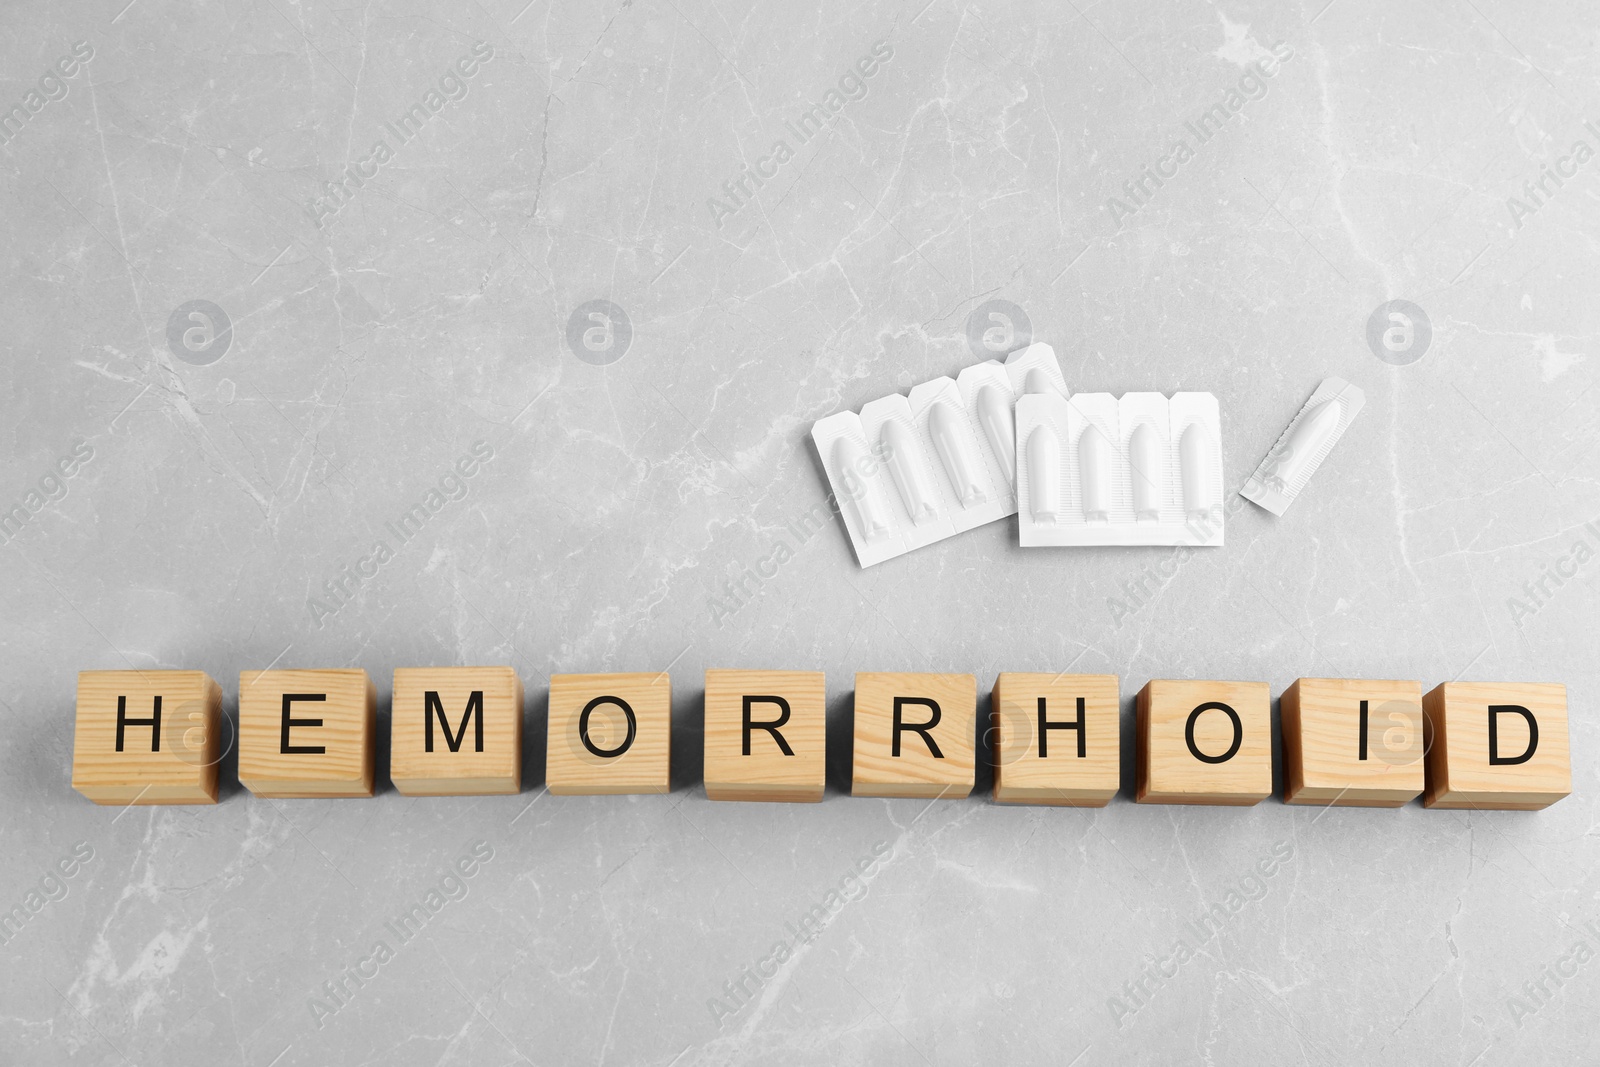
[153,737]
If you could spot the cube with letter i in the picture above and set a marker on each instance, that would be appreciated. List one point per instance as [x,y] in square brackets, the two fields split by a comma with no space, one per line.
[1352,742]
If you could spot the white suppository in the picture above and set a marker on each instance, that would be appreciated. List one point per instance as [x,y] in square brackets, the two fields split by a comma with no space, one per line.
[1303,445]
[1139,470]
[909,471]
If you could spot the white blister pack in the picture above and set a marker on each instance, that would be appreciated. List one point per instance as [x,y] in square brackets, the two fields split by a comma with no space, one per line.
[1303,445]
[1139,470]
[911,470]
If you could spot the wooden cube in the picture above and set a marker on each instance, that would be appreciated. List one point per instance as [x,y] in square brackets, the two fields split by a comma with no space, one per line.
[1497,745]
[610,733]
[766,735]
[1057,739]
[1204,742]
[1352,742]
[147,737]
[306,733]
[914,735]
[456,731]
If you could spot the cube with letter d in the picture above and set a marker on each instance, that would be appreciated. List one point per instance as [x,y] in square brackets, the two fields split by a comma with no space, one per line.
[914,735]
[1497,745]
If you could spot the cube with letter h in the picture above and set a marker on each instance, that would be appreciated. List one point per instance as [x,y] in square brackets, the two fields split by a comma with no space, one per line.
[1203,742]
[306,733]
[1058,739]
[914,735]
[456,731]
[147,737]
[766,735]
[1497,745]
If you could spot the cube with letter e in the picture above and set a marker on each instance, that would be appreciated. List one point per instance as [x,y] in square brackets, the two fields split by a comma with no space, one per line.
[306,733]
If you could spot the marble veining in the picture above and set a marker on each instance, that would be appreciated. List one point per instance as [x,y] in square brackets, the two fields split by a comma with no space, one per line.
[400,334]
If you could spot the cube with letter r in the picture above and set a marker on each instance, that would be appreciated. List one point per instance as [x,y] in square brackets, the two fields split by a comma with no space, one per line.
[766,735]
[914,735]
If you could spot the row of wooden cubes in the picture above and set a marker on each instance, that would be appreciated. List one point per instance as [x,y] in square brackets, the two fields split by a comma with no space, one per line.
[156,737]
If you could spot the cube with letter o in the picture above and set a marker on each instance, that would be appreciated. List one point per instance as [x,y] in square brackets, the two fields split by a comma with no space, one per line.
[1203,742]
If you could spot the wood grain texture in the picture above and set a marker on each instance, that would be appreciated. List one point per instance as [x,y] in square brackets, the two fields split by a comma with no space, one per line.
[1169,773]
[644,766]
[1322,752]
[348,713]
[916,772]
[175,765]
[1459,772]
[467,771]
[1061,777]
[767,773]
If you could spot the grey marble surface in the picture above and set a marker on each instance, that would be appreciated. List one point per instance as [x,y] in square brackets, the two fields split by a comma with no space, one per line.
[223,476]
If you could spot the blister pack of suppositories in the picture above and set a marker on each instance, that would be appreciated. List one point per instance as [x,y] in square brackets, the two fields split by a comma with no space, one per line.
[1142,469]
[912,470]
[1303,445]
